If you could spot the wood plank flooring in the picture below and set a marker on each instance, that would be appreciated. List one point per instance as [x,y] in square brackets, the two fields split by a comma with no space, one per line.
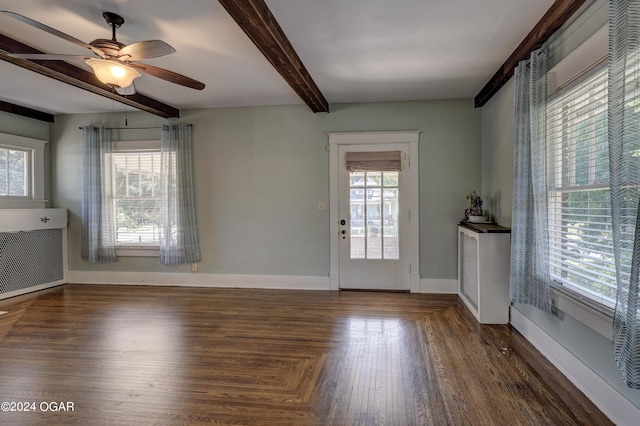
[157,355]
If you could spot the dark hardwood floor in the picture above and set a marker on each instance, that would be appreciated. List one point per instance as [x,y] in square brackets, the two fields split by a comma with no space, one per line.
[159,355]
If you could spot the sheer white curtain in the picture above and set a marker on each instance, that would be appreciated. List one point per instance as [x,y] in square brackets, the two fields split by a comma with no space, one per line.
[624,167]
[179,230]
[98,229]
[529,280]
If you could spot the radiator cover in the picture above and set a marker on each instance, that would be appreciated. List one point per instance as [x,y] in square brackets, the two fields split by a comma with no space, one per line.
[483,274]
[33,251]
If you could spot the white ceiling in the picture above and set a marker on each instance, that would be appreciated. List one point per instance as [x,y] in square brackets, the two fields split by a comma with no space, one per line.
[355,50]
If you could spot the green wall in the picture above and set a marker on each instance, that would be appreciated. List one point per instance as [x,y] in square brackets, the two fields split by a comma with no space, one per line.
[21,126]
[593,349]
[260,173]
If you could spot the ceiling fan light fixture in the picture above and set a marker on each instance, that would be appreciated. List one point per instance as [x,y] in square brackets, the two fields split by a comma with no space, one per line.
[113,74]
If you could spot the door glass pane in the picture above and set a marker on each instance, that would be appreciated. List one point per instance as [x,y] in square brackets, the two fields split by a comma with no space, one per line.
[357,221]
[356,179]
[374,179]
[374,231]
[374,215]
[390,233]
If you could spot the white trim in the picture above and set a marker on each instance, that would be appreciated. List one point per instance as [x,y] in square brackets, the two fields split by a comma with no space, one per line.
[36,189]
[16,220]
[370,138]
[21,203]
[31,289]
[613,404]
[586,56]
[414,206]
[280,282]
[437,286]
[137,251]
[22,142]
[135,145]
[412,138]
[597,321]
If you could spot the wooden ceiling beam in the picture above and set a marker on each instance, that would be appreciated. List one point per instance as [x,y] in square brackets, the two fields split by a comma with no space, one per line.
[26,112]
[257,21]
[78,77]
[557,15]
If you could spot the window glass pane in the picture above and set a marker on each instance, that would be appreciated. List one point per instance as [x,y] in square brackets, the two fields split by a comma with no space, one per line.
[136,180]
[3,172]
[137,221]
[14,172]
[580,241]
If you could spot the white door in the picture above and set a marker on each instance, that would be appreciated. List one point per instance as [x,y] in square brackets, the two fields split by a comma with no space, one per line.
[373,223]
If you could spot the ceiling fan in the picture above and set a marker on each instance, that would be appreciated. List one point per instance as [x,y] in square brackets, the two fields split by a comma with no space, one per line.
[115,63]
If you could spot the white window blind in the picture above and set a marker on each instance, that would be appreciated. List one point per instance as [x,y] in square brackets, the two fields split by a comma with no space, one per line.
[386,161]
[136,198]
[580,244]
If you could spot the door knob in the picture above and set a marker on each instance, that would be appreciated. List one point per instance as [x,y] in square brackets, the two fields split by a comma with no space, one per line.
[344,232]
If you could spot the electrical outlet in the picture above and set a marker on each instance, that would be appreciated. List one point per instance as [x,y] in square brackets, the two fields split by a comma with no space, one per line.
[322,206]
[194,267]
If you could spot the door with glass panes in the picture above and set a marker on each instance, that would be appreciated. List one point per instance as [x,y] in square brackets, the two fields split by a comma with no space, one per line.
[373,217]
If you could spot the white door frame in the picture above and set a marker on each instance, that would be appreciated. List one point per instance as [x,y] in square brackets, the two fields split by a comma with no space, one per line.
[412,138]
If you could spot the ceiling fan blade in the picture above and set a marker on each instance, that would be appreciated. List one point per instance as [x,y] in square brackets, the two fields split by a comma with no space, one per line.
[47,56]
[167,75]
[53,31]
[148,49]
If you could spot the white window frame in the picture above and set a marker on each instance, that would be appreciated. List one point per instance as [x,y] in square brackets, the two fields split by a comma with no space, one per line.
[132,250]
[574,66]
[35,178]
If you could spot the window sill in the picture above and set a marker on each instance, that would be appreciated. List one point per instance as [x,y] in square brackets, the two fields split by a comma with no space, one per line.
[21,203]
[138,252]
[595,316]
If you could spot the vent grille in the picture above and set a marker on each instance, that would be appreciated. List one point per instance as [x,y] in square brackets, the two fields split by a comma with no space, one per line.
[30,258]
[469,268]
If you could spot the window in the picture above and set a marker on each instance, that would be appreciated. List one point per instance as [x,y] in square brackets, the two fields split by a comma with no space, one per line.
[579,214]
[14,172]
[136,194]
[21,172]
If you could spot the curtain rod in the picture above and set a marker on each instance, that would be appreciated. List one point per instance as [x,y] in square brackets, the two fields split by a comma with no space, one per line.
[136,128]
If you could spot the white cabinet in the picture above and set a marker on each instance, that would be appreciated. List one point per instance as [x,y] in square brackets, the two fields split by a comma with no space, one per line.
[483,271]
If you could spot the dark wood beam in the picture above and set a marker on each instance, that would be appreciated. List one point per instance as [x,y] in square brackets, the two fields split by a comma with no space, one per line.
[257,21]
[557,15]
[78,77]
[26,112]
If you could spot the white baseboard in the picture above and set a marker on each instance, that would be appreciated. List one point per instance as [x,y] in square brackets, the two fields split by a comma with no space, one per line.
[611,402]
[30,289]
[281,282]
[438,286]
